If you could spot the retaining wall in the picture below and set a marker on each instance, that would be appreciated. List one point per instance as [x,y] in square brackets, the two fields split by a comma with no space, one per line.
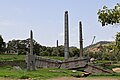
[67,64]
[20,63]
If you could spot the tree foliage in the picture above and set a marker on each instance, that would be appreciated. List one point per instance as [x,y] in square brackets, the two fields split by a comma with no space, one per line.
[2,45]
[23,47]
[109,16]
[118,40]
[74,51]
[1,41]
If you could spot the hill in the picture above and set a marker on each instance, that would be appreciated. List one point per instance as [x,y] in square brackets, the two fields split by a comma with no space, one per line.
[97,46]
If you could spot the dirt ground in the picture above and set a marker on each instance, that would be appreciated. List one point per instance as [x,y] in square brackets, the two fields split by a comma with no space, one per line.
[69,78]
[72,78]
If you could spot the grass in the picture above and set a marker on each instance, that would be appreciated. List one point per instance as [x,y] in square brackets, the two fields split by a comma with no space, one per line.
[43,74]
[113,75]
[55,57]
[106,61]
[11,57]
[10,72]
[114,64]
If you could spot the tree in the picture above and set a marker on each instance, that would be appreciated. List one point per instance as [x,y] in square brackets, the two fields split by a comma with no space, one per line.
[118,40]
[36,48]
[2,45]
[61,50]
[1,42]
[23,47]
[49,50]
[109,16]
[74,51]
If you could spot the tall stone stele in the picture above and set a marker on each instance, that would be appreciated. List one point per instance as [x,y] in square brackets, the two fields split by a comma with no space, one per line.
[66,36]
[81,39]
[31,56]
[57,49]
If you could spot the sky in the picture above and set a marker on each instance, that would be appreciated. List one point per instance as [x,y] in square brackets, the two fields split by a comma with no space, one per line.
[46,19]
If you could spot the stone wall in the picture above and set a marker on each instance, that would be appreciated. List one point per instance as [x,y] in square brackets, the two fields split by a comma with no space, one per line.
[96,69]
[47,63]
[74,63]
[41,62]
[68,64]
[20,63]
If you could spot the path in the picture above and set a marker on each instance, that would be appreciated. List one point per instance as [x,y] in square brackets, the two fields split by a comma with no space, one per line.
[72,78]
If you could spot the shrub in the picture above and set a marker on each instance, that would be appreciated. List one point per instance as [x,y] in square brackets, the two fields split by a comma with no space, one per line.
[24,77]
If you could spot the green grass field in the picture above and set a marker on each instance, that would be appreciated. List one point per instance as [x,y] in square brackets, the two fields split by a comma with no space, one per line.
[11,57]
[55,57]
[10,72]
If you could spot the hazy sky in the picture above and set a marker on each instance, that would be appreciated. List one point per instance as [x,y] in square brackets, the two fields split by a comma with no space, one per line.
[45,18]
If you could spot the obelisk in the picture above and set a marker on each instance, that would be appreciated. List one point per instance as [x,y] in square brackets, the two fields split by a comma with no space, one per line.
[66,36]
[81,39]
[31,56]
[31,42]
[57,49]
